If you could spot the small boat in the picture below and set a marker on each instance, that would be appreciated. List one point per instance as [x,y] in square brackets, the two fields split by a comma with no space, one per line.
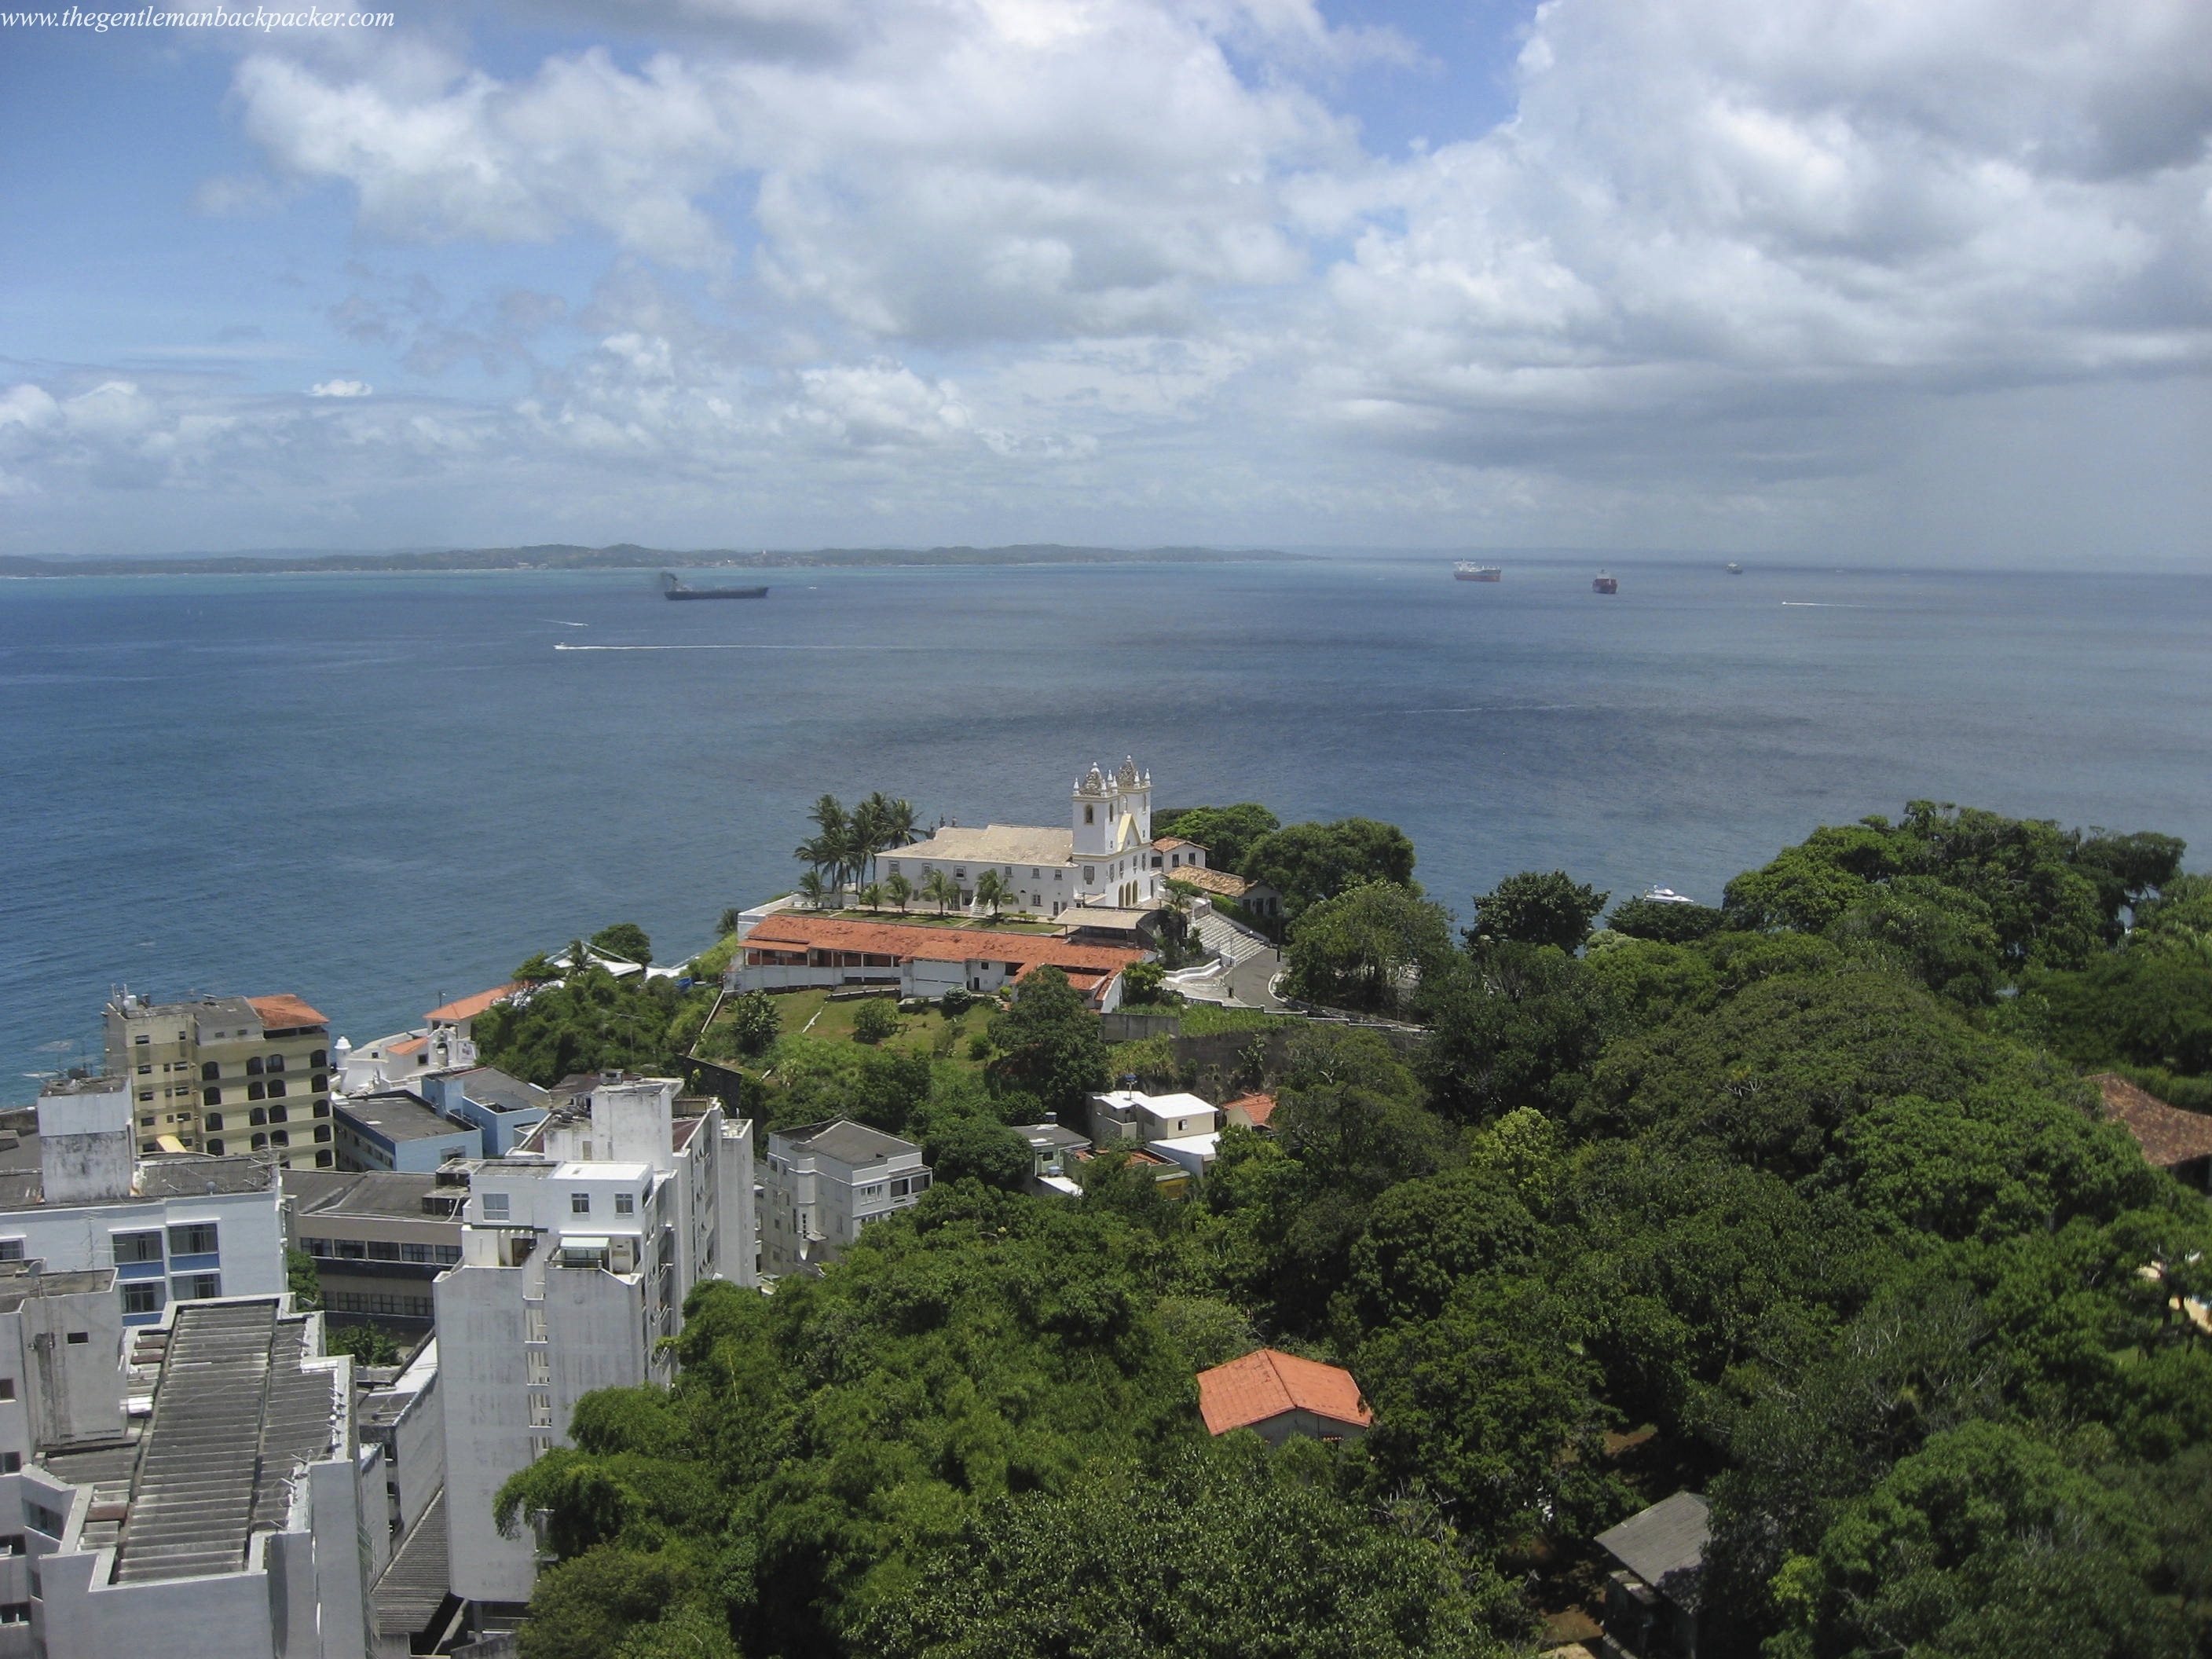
[1606,583]
[1735,570]
[670,588]
[1467,571]
[1666,896]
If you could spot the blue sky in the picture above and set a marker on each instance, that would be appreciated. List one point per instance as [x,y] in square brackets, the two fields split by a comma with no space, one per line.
[1868,280]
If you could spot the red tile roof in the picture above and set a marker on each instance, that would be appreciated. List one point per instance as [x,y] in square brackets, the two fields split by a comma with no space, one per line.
[1255,1108]
[1269,1382]
[786,931]
[470,1007]
[281,1013]
[2166,1135]
[410,1047]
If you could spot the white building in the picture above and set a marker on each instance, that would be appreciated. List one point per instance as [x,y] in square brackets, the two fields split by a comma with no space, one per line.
[1128,1117]
[792,952]
[1104,858]
[177,1227]
[578,1250]
[824,1182]
[225,1523]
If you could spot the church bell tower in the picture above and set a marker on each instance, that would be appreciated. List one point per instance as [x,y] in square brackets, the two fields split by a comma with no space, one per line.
[1113,813]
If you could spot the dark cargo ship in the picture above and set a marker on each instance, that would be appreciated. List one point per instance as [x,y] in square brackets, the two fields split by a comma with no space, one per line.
[671,588]
[1606,583]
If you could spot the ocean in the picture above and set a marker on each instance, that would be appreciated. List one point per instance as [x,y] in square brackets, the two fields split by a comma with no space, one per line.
[383,791]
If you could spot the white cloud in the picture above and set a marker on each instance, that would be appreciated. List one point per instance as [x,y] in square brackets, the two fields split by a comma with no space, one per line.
[1077,262]
[340,389]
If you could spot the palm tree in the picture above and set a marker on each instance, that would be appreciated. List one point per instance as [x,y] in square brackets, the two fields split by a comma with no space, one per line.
[991,890]
[901,890]
[871,897]
[813,889]
[900,822]
[939,890]
[731,920]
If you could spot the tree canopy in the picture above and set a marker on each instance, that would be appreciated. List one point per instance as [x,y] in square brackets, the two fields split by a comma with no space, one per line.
[1307,863]
[1802,1203]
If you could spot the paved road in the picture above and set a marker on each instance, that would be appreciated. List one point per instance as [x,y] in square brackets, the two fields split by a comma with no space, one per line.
[1248,981]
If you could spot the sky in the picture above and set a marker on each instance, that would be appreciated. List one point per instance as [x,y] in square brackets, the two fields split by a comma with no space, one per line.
[1889,281]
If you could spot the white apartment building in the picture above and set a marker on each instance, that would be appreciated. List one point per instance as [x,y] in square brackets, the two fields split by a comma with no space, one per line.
[225,1521]
[177,1227]
[824,1182]
[1104,858]
[577,1250]
[1128,1116]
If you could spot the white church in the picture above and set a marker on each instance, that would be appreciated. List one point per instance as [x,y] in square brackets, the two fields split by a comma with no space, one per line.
[1104,860]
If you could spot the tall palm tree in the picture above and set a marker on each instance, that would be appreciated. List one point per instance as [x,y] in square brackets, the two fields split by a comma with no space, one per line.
[871,897]
[729,922]
[901,824]
[940,891]
[813,889]
[991,890]
[901,891]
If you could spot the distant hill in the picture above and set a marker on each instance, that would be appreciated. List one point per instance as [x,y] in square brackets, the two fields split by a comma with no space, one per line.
[625,556]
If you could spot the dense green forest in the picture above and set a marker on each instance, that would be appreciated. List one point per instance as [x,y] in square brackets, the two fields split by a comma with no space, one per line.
[1799,1201]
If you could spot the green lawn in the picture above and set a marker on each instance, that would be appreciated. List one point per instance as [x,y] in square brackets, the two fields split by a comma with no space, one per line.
[813,1013]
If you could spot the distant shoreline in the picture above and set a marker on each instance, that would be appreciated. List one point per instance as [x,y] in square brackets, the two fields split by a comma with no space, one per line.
[625,557]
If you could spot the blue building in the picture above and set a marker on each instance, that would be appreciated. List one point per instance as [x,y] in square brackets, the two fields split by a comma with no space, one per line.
[397,1129]
[504,1108]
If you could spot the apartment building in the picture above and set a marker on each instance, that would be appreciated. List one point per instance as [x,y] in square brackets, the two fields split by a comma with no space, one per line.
[824,1182]
[398,1129]
[577,1250]
[226,1519]
[170,1227]
[225,1075]
[378,1239]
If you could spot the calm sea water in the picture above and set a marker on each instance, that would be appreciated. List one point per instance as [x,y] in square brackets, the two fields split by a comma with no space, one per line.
[383,791]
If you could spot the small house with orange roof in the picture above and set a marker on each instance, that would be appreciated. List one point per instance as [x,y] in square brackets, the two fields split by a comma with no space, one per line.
[790,951]
[1277,1394]
[1249,1111]
[2171,1140]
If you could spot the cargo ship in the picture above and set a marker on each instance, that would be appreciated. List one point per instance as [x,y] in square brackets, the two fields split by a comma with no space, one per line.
[671,588]
[1606,583]
[1735,570]
[1466,571]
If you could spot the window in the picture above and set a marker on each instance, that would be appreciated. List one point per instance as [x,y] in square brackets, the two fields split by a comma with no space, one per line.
[541,1410]
[276,1089]
[322,1132]
[322,1157]
[193,1239]
[317,1060]
[11,1249]
[625,1203]
[447,1253]
[142,1038]
[49,1522]
[540,1366]
[277,1114]
[138,1246]
[580,1204]
[383,1249]
[253,1066]
[352,1249]
[215,1119]
[145,1071]
[256,1091]
[78,1339]
[190,1287]
[534,1324]
[215,1149]
[212,1097]
[276,1063]
[210,1071]
[14,1613]
[280,1138]
[145,1094]
[540,1444]
[322,1109]
[142,1298]
[12,1463]
[7,1387]
[495,1206]
[259,1114]
[1091,815]
[11,1543]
